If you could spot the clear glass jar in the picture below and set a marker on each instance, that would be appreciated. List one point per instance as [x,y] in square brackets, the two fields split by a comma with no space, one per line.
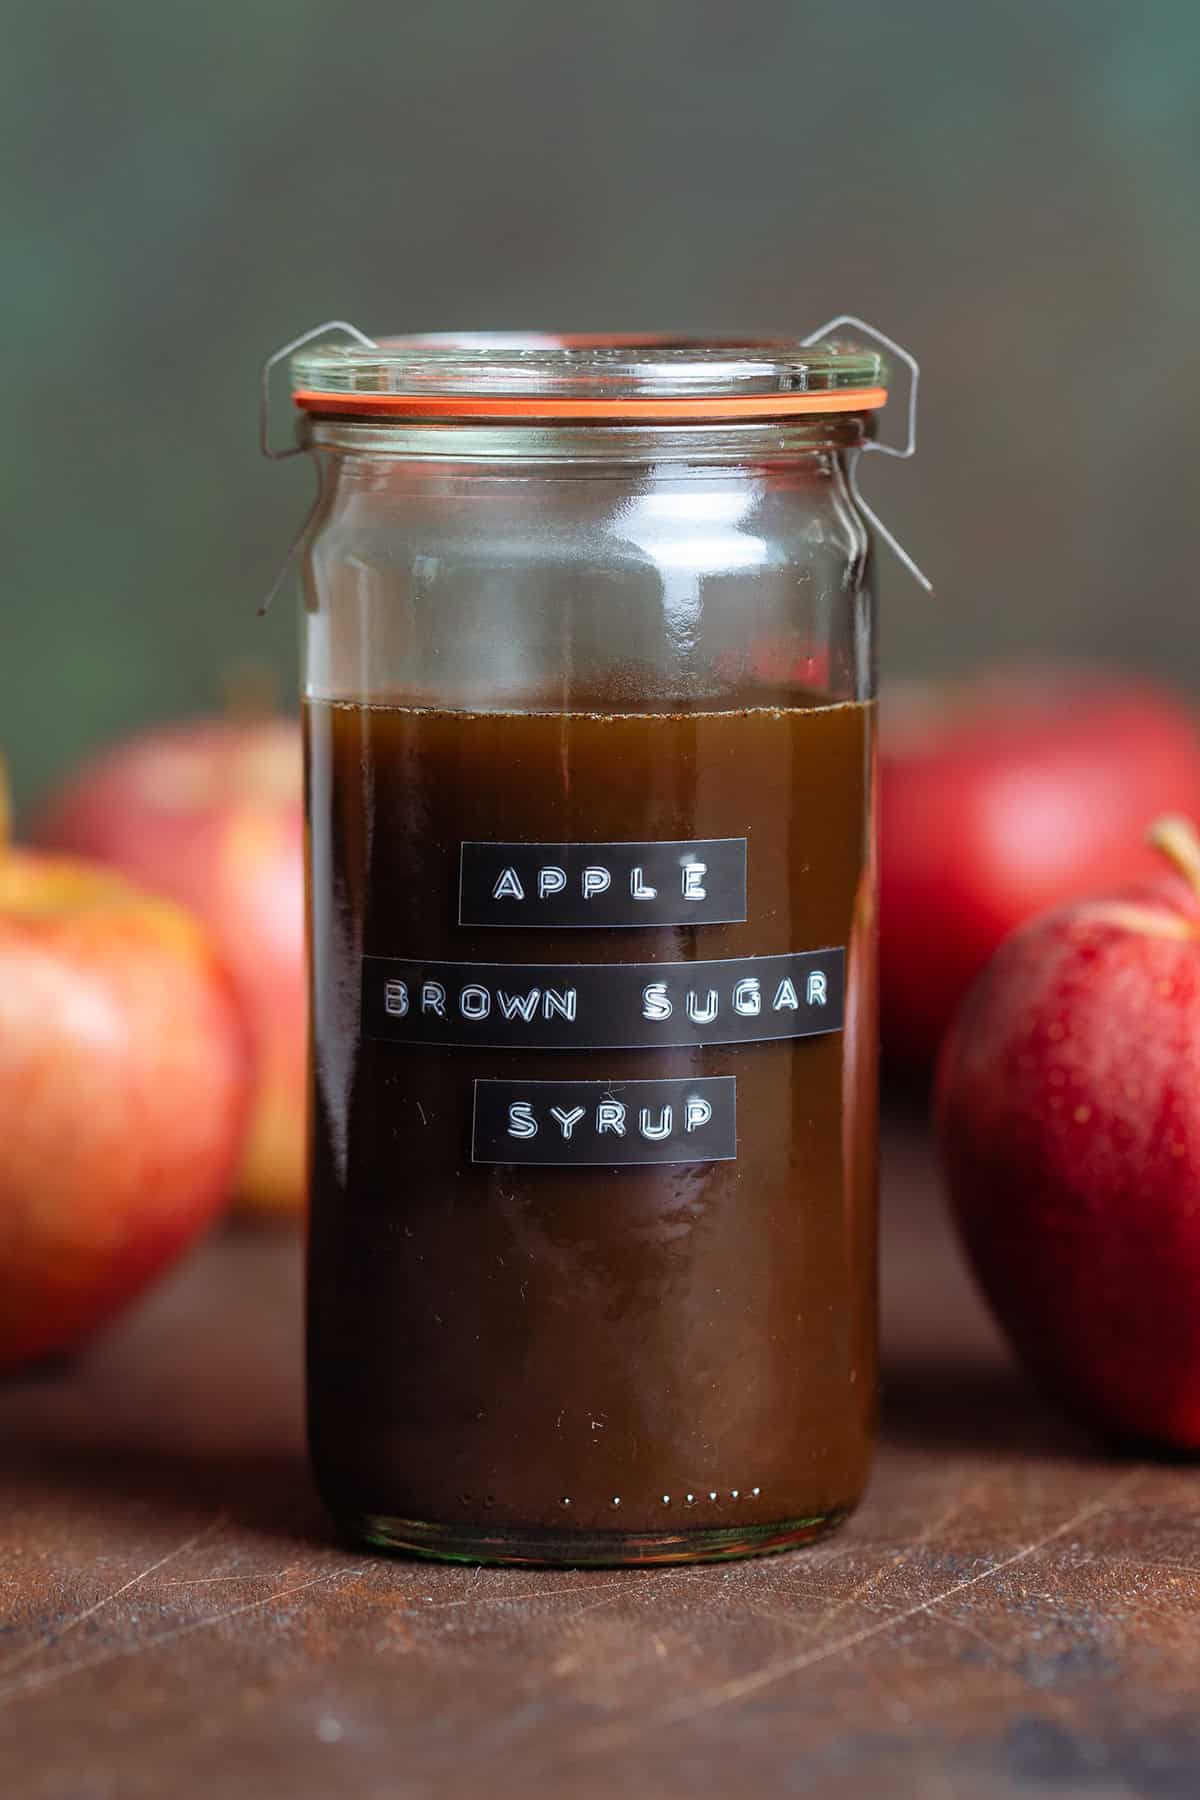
[589,688]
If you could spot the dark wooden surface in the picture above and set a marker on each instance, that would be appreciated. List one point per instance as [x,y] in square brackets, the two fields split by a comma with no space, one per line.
[1012,1612]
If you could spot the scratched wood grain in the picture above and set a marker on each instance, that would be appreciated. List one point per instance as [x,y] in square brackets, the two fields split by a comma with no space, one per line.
[1014,1611]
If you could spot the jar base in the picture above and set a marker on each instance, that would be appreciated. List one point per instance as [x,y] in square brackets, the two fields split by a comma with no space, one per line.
[616,1549]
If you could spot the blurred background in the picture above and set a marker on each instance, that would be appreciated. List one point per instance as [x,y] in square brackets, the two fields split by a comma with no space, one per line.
[1009,190]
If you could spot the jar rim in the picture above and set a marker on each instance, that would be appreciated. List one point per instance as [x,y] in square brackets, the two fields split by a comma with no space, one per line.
[601,376]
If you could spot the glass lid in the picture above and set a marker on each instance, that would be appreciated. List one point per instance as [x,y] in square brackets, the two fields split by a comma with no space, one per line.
[542,375]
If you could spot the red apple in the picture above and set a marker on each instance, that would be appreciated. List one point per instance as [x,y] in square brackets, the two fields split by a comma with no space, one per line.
[999,798]
[211,813]
[124,1083]
[1068,1112]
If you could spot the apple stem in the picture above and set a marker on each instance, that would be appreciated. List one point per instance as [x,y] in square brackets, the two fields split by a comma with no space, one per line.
[1176,837]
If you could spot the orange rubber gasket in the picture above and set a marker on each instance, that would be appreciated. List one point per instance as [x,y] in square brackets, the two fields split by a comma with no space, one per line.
[473,406]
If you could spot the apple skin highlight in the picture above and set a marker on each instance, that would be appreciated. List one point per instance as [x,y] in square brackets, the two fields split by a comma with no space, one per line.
[1068,1116]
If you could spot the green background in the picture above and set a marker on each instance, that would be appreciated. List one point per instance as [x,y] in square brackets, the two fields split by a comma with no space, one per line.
[1009,189]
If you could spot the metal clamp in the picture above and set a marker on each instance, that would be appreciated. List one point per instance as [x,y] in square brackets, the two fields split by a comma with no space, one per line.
[264,435]
[903,451]
[264,392]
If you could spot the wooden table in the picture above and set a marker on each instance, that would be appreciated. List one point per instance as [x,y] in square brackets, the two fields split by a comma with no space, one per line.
[1012,1612]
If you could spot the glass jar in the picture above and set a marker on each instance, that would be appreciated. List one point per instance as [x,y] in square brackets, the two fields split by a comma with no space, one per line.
[589,689]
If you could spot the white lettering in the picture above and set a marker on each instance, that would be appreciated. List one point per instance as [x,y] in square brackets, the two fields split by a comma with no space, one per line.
[659,1130]
[638,887]
[395,999]
[474,1002]
[696,1113]
[692,875]
[610,1116]
[508,887]
[551,880]
[747,998]
[559,1003]
[518,1005]
[707,1013]
[433,999]
[521,1122]
[785,995]
[568,1120]
[655,1004]
[594,881]
[817,995]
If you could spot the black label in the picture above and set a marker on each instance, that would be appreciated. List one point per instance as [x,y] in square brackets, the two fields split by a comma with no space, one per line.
[691,882]
[605,1123]
[604,1006]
